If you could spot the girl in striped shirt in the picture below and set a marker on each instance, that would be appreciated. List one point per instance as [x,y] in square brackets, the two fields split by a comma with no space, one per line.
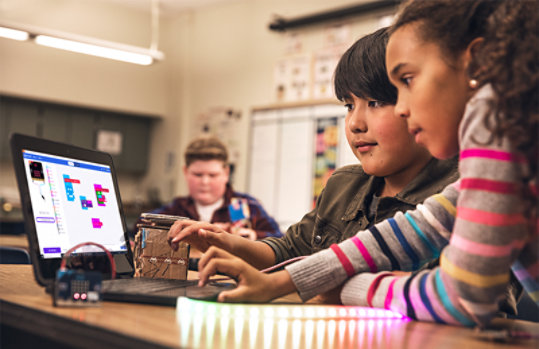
[463,89]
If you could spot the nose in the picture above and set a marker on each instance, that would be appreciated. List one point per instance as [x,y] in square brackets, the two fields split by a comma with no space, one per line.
[205,179]
[401,108]
[356,121]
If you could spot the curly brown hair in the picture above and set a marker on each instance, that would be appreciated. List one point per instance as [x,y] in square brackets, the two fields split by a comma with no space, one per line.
[452,24]
[508,61]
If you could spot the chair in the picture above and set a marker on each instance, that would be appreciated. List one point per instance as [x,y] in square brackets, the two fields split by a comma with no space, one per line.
[14,255]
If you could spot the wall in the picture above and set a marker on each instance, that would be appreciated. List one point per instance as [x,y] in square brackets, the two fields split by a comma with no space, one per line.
[220,55]
[33,71]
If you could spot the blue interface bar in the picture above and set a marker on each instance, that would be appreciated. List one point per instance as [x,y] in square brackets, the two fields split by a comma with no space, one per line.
[65,162]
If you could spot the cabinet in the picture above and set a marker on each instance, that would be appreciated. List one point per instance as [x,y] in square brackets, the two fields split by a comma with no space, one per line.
[54,123]
[16,116]
[77,126]
[82,128]
[134,137]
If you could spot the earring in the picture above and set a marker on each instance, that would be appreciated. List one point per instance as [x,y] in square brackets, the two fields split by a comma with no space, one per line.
[473,84]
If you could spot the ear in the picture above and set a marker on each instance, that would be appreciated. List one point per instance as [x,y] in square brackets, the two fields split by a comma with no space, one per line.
[471,51]
[185,171]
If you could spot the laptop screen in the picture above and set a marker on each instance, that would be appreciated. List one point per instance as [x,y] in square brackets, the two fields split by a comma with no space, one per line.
[73,201]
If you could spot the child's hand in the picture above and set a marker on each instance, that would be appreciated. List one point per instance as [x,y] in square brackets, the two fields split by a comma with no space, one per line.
[200,235]
[253,285]
[330,297]
[244,232]
[223,225]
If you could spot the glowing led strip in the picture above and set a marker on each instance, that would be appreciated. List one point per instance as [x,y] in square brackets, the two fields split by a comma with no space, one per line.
[190,307]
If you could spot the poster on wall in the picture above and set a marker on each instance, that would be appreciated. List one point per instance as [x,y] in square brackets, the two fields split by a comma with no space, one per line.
[222,122]
[324,64]
[325,158]
[292,78]
[109,141]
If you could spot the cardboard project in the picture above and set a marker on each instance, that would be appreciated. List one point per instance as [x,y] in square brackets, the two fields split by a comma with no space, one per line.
[154,258]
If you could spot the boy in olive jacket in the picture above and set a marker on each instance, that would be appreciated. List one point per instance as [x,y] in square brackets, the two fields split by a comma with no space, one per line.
[395,173]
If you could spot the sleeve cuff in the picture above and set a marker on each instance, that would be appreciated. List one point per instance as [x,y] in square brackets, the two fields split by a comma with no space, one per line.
[355,290]
[316,274]
[275,248]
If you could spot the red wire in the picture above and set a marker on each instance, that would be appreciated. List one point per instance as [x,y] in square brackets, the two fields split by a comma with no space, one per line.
[109,255]
[288,261]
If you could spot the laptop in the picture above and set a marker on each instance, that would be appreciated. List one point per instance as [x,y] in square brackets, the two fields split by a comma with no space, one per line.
[69,195]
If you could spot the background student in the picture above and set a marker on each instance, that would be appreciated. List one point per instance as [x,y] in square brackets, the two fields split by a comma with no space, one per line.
[395,173]
[211,197]
[488,102]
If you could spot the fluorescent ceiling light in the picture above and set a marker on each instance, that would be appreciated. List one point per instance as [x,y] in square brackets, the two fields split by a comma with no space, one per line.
[81,44]
[13,34]
[94,50]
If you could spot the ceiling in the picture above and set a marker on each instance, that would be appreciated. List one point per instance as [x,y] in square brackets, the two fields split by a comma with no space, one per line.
[167,7]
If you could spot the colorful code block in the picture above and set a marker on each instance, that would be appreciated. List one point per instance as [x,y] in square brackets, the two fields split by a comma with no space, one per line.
[85,204]
[99,190]
[68,183]
[96,223]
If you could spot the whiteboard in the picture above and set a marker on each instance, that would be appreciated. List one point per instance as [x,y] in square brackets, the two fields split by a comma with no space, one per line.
[295,169]
[263,164]
[281,158]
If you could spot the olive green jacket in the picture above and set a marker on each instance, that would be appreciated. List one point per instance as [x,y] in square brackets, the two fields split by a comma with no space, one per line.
[342,208]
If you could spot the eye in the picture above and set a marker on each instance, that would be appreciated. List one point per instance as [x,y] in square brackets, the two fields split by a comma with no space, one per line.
[406,80]
[349,107]
[375,104]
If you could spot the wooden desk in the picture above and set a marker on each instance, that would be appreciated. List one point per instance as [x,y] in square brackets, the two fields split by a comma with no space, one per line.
[27,311]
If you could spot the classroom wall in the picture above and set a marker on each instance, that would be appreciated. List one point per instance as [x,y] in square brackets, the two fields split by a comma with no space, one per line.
[217,56]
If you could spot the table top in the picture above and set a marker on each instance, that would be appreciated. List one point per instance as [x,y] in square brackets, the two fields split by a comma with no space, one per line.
[25,305]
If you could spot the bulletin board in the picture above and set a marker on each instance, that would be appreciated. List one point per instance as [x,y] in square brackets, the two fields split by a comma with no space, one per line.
[325,155]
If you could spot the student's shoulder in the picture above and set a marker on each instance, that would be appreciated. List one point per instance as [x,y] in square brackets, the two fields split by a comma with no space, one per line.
[479,107]
[355,169]
[484,94]
[177,203]
[349,173]
[178,200]
[250,199]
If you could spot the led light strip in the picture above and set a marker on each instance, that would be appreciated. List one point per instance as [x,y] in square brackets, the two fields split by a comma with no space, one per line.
[189,307]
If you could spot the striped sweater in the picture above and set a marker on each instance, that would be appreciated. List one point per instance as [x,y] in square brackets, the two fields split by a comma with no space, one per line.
[476,226]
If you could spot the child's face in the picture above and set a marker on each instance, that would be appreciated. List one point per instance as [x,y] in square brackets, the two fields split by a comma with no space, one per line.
[380,139]
[206,180]
[432,95]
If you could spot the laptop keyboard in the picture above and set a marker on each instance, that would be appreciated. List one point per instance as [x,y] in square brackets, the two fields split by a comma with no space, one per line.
[143,285]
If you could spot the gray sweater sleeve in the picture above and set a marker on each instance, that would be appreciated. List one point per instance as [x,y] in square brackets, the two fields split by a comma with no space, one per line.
[404,242]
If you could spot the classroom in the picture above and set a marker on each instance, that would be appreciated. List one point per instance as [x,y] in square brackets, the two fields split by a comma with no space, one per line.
[258,76]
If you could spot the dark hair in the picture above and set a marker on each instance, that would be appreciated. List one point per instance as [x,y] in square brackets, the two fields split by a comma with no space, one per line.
[206,148]
[509,62]
[362,70]
[452,24]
